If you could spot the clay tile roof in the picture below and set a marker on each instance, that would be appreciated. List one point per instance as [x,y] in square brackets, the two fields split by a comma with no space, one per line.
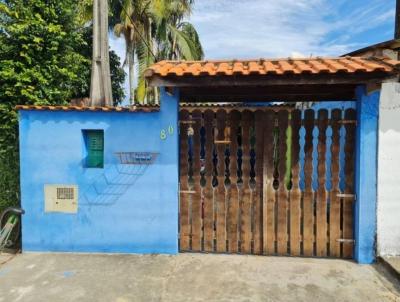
[224,69]
[277,67]
[135,108]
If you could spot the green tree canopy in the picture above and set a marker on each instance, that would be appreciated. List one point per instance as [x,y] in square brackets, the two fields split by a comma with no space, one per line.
[45,59]
[40,61]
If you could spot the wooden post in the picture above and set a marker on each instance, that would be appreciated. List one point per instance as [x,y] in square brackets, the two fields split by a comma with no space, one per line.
[100,88]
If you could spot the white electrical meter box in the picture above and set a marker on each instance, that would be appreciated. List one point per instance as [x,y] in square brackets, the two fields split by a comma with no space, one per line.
[61,198]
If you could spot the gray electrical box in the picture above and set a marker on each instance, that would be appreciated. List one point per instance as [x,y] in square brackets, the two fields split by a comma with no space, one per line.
[61,198]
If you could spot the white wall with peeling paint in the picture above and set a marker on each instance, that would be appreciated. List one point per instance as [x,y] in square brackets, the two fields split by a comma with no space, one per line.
[388,224]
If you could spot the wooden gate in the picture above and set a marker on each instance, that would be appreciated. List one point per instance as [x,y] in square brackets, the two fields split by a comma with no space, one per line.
[270,181]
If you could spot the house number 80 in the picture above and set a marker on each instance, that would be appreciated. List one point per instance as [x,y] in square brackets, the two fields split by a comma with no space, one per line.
[163,132]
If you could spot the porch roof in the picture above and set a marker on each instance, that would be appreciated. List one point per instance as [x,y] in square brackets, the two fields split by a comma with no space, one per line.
[289,79]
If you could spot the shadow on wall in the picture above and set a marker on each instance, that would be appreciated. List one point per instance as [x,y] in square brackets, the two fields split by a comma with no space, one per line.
[112,184]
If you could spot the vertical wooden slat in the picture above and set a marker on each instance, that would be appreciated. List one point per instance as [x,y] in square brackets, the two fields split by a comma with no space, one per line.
[282,202]
[268,189]
[208,222]
[350,114]
[183,179]
[245,201]
[196,197]
[308,195]
[295,193]
[233,205]
[334,213]
[227,178]
[221,214]
[321,203]
[258,209]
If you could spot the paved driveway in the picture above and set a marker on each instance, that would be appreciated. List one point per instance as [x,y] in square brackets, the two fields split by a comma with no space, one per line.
[189,277]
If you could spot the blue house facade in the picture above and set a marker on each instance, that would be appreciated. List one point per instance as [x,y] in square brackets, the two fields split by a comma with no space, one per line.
[121,207]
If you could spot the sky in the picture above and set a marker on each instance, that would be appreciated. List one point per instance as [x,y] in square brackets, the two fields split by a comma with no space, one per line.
[240,29]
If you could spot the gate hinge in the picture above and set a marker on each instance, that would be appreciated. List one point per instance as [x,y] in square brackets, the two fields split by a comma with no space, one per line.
[342,240]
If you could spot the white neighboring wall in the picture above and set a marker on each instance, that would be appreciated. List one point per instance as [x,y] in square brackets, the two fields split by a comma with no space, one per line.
[389,171]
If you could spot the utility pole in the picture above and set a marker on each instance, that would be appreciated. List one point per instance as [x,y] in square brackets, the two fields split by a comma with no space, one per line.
[100,88]
[397,22]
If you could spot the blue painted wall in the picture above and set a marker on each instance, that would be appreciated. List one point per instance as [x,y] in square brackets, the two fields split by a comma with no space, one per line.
[120,208]
[366,175]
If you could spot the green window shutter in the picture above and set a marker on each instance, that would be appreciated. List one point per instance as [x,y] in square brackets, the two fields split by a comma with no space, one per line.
[95,149]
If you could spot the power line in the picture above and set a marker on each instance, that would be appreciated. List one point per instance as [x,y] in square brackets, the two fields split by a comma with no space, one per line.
[140,35]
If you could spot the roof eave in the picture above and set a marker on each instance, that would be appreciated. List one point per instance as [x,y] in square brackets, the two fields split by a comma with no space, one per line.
[372,47]
[268,80]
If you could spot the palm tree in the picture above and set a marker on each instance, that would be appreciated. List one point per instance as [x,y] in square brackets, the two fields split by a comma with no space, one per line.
[134,26]
[177,39]
[154,30]
[85,11]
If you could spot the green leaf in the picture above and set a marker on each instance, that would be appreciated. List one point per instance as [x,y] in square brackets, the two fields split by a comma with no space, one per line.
[141,91]
[37,40]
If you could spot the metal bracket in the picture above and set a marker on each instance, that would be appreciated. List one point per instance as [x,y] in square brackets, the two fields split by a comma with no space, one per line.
[345,122]
[187,192]
[222,142]
[342,240]
[347,196]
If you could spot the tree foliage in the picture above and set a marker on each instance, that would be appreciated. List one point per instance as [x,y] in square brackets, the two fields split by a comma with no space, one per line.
[154,30]
[39,42]
[45,59]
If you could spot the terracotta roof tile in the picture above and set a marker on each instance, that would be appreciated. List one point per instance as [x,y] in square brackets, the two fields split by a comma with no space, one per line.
[254,67]
[317,65]
[269,68]
[224,69]
[139,108]
[238,68]
[336,66]
[208,69]
[390,62]
[194,69]
[370,65]
[303,67]
[287,67]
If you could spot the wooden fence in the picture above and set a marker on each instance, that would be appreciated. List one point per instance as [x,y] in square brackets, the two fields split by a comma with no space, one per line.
[271,181]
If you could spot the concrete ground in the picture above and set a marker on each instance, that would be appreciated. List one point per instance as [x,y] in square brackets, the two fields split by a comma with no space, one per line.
[189,277]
